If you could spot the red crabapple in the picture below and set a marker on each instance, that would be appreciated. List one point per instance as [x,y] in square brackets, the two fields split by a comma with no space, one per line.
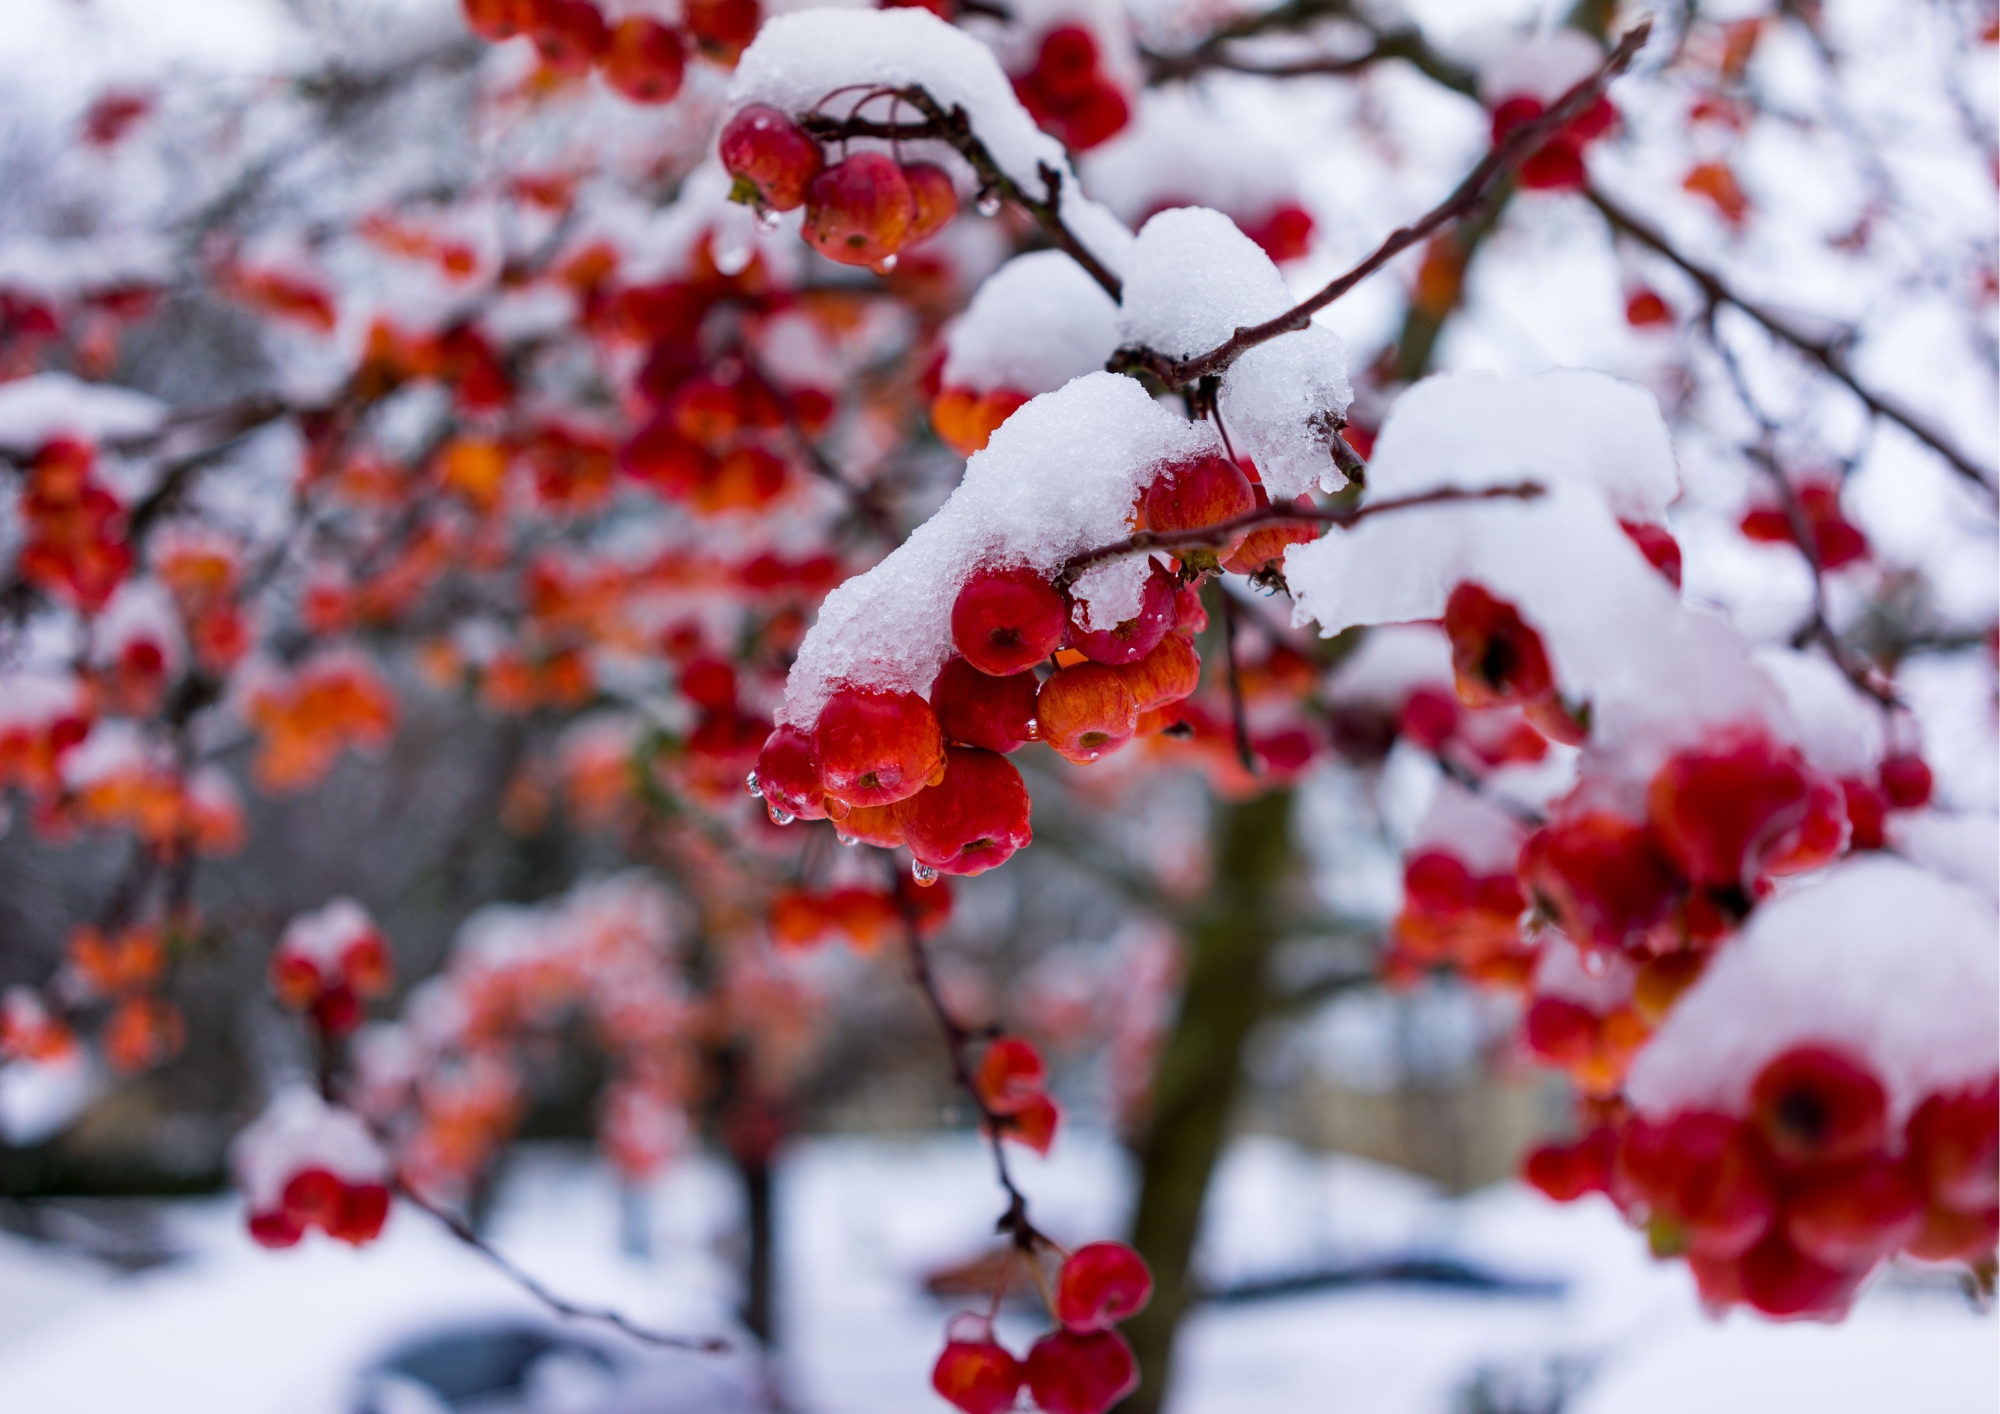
[1134,638]
[1780,1280]
[1101,1284]
[935,197]
[1950,1236]
[1867,808]
[971,821]
[788,777]
[646,60]
[722,28]
[1071,1373]
[978,1376]
[1199,494]
[1168,674]
[879,825]
[1722,811]
[876,748]
[1007,620]
[498,20]
[1906,780]
[1268,543]
[1034,1124]
[569,34]
[976,709]
[1855,1216]
[1496,659]
[1703,1179]
[1011,1074]
[859,211]
[1658,545]
[1955,1145]
[1086,711]
[1566,1172]
[1817,1108]
[772,160]
[1601,877]
[364,1207]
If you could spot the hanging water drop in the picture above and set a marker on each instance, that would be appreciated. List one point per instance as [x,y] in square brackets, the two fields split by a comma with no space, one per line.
[769,220]
[849,840]
[753,786]
[779,815]
[988,203]
[923,873]
[1034,730]
[886,264]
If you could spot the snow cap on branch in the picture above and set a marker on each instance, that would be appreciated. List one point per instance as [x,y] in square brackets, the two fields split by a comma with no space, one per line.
[1059,477]
[1194,278]
[1875,958]
[300,1131]
[1037,322]
[37,409]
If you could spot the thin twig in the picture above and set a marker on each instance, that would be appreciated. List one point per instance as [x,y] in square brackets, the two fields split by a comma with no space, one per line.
[1466,198]
[954,127]
[1829,354]
[1222,532]
[603,1315]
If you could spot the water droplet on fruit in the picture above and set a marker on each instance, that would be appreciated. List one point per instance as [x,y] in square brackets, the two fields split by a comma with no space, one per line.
[769,220]
[1594,963]
[988,203]
[1034,730]
[885,265]
[849,840]
[778,815]
[753,786]
[923,873]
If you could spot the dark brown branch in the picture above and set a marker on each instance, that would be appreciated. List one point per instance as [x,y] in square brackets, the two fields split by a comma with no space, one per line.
[957,1038]
[955,129]
[1214,53]
[1827,353]
[1469,196]
[1222,532]
[602,1315]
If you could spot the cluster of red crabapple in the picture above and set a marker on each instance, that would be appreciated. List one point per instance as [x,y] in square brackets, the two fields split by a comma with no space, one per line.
[890,768]
[641,58]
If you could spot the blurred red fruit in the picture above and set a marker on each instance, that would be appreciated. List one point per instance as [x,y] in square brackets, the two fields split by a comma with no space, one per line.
[1601,877]
[1101,1284]
[1818,1108]
[980,1377]
[646,61]
[1070,1373]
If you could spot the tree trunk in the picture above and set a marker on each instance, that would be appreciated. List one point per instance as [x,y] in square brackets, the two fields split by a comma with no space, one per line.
[1200,1068]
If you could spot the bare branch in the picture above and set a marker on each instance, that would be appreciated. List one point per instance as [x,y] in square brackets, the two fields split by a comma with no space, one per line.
[602,1315]
[1827,353]
[1222,532]
[1466,198]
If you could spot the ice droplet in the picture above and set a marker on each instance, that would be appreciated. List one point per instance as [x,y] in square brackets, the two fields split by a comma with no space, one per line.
[733,241]
[753,786]
[988,203]
[923,873]
[779,816]
[886,264]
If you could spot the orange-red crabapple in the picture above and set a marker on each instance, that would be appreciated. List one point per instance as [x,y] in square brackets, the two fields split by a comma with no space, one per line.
[1007,620]
[1602,878]
[1086,711]
[879,825]
[1702,1179]
[569,34]
[1168,674]
[1856,1215]
[1955,1145]
[722,29]
[1496,659]
[1011,1075]
[645,61]
[771,158]
[787,777]
[971,821]
[876,748]
[860,211]
[935,197]
[1196,495]
[978,1376]
[1080,1373]
[1134,638]
[1722,812]
[978,709]
[1100,1285]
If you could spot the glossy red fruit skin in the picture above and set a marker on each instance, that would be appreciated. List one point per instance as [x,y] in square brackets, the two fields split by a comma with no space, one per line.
[1007,620]
[978,1376]
[877,748]
[1137,636]
[935,197]
[1817,1108]
[312,1197]
[859,211]
[1086,712]
[1955,1146]
[1100,1285]
[976,709]
[1720,812]
[1853,1217]
[1566,1172]
[1602,878]
[1069,1373]
[646,61]
[275,1230]
[766,150]
[1268,543]
[1783,1282]
[364,1208]
[1168,674]
[1199,494]
[788,776]
[1496,659]
[1906,781]
[971,821]
[1704,1175]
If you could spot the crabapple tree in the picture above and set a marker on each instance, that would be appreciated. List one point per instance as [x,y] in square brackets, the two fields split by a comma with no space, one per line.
[885,425]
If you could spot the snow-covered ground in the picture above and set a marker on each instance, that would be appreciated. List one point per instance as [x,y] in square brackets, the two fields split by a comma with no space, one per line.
[231,1329]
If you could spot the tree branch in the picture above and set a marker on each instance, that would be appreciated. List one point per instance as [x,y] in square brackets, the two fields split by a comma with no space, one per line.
[1827,353]
[602,1315]
[1222,532]
[1466,198]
